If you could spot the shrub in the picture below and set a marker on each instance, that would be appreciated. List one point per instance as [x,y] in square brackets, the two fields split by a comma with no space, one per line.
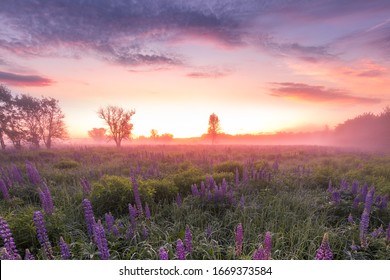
[185,179]
[162,190]
[229,167]
[66,164]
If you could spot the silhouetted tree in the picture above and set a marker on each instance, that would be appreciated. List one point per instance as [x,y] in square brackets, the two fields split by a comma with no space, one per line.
[30,111]
[5,101]
[214,127]
[166,137]
[154,134]
[97,134]
[118,121]
[51,121]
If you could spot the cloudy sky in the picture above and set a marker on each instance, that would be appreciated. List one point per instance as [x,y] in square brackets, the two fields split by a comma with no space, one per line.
[261,66]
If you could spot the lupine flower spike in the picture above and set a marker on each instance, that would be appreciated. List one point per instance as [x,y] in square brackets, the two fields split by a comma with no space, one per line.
[42,234]
[180,252]
[188,239]
[239,239]
[65,253]
[324,252]
[163,254]
[8,240]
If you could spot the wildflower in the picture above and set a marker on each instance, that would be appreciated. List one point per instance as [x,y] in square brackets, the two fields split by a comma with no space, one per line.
[16,175]
[356,202]
[43,238]
[194,190]
[145,233]
[137,196]
[369,199]
[4,190]
[28,255]
[188,239]
[133,216]
[259,254]
[130,233]
[33,174]
[237,177]
[324,252]
[364,222]
[65,254]
[109,219]
[267,245]
[101,241]
[388,234]
[8,240]
[86,186]
[377,232]
[364,192]
[178,200]
[355,186]
[180,252]
[336,198]
[147,211]
[46,200]
[384,202]
[89,217]
[163,254]
[239,239]
[115,231]
[354,247]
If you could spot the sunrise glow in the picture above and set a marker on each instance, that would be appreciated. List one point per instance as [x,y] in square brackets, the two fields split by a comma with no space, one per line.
[260,67]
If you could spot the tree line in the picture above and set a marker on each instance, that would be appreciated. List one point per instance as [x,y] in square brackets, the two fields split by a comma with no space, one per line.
[27,120]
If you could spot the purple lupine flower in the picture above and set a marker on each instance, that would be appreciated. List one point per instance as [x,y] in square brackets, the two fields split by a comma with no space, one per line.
[259,254]
[28,256]
[33,174]
[4,190]
[115,231]
[275,165]
[43,238]
[388,234]
[364,192]
[86,186]
[145,232]
[355,187]
[89,217]
[384,202]
[46,200]
[378,232]
[224,186]
[188,240]
[137,196]
[65,253]
[147,211]
[336,198]
[180,252]
[16,174]
[237,177]
[133,216]
[5,255]
[101,241]
[364,222]
[194,190]
[239,239]
[350,218]
[324,252]
[202,189]
[356,202]
[163,254]
[8,240]
[267,245]
[109,219]
[242,201]
[178,200]
[130,233]
[369,199]
[344,185]
[209,232]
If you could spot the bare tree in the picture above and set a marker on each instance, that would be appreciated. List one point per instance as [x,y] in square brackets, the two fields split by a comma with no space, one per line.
[118,121]
[214,127]
[97,134]
[51,121]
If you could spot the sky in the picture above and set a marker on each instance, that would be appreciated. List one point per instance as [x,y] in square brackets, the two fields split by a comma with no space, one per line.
[261,66]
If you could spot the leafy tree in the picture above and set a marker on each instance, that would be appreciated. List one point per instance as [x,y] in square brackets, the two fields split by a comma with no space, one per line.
[166,137]
[118,121]
[5,101]
[154,134]
[29,108]
[97,134]
[51,121]
[214,127]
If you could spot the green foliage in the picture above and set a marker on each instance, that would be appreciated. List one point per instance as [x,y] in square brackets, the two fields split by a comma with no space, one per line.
[163,190]
[229,167]
[184,179]
[66,164]
[112,194]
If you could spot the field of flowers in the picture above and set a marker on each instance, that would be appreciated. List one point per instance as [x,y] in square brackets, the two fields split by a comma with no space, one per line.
[194,202]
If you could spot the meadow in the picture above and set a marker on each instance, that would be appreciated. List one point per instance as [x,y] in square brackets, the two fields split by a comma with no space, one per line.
[195,202]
